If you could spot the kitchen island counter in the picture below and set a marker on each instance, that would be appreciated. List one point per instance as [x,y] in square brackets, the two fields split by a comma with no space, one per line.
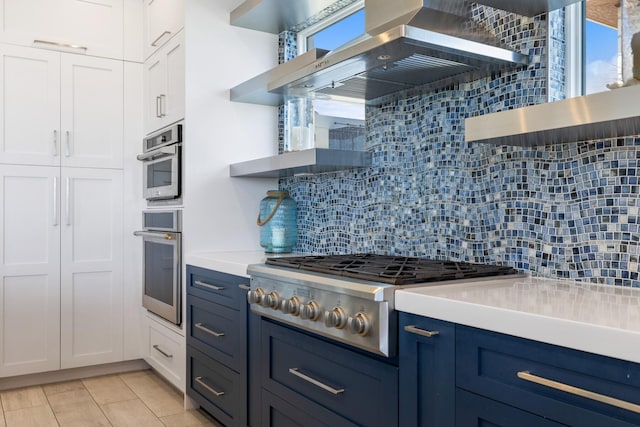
[600,319]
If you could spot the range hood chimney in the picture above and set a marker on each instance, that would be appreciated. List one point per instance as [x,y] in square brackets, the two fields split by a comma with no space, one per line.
[408,43]
[441,16]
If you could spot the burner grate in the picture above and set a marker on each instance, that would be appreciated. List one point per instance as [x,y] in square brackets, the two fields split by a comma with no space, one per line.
[390,269]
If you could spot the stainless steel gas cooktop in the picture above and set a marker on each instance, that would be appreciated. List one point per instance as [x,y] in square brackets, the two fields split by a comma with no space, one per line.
[350,298]
[395,270]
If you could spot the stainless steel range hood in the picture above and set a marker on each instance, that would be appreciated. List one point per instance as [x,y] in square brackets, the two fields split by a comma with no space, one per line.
[398,59]
[408,43]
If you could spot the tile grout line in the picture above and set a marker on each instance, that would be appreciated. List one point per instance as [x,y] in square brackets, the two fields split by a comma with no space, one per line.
[47,404]
[96,402]
[140,398]
[46,396]
[104,414]
[2,407]
[100,407]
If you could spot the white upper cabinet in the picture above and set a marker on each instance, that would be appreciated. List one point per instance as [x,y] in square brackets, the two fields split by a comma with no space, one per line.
[92,112]
[89,27]
[60,109]
[164,85]
[29,106]
[163,19]
[29,269]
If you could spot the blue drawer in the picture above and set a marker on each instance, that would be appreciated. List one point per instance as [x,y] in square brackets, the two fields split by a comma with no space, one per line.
[216,331]
[219,390]
[472,410]
[278,412]
[221,288]
[358,388]
[517,372]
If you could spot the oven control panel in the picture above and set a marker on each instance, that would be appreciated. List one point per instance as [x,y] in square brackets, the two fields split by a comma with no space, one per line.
[355,321]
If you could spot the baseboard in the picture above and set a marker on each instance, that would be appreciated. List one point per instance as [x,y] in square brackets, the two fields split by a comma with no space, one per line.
[72,374]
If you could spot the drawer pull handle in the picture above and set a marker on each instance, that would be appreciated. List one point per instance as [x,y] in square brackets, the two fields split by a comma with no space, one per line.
[208,387]
[206,285]
[155,42]
[297,373]
[418,331]
[63,45]
[245,287]
[209,331]
[527,376]
[162,352]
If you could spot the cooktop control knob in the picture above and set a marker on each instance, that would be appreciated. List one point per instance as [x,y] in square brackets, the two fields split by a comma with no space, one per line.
[255,296]
[359,324]
[272,300]
[291,306]
[310,311]
[336,318]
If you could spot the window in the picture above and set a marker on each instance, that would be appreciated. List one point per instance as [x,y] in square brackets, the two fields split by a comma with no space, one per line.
[339,123]
[338,33]
[601,53]
[593,58]
[334,31]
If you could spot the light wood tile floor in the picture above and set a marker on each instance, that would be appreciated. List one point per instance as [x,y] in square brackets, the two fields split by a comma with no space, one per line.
[136,399]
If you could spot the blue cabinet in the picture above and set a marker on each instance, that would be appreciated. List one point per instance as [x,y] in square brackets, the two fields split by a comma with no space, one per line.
[474,410]
[217,340]
[427,372]
[306,380]
[464,376]
[279,412]
[565,385]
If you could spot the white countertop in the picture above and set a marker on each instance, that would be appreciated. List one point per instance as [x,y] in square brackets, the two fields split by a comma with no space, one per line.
[231,262]
[226,262]
[599,319]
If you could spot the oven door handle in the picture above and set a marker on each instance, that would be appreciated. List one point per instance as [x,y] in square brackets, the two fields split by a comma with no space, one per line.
[156,235]
[170,150]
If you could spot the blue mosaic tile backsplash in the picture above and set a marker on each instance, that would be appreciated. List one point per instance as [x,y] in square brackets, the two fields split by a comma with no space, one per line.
[566,210]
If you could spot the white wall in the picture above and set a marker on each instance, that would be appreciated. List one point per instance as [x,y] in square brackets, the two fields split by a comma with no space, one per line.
[220,212]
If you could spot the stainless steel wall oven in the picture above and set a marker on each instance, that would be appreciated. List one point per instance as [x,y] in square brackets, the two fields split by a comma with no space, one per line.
[162,166]
[162,260]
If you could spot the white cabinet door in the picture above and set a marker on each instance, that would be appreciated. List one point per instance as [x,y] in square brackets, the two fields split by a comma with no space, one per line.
[24,21]
[154,82]
[92,112]
[29,270]
[92,277]
[164,85]
[96,25]
[47,115]
[172,105]
[29,106]
[163,19]
[87,27]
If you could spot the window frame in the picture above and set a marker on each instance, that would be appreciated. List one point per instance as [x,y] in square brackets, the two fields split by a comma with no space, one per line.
[303,35]
[575,44]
